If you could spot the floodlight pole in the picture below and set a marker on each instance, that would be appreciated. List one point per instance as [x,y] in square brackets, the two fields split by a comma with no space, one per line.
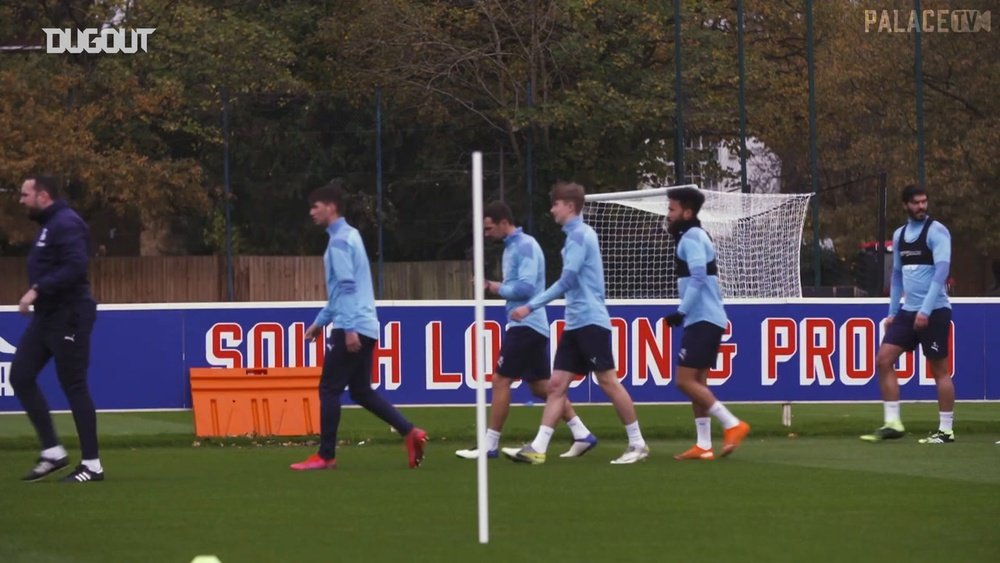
[918,77]
[380,217]
[679,99]
[813,166]
[881,246]
[744,184]
[227,183]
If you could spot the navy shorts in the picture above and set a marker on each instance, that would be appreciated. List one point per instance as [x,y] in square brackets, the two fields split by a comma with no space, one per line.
[524,354]
[933,339]
[700,345]
[584,350]
[346,370]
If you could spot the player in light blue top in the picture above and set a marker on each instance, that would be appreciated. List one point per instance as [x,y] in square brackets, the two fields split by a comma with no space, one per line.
[347,361]
[523,274]
[919,279]
[525,351]
[698,280]
[704,319]
[585,344]
[582,279]
[350,297]
[920,265]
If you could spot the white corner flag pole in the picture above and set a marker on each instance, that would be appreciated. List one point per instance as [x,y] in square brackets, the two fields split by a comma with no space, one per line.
[480,348]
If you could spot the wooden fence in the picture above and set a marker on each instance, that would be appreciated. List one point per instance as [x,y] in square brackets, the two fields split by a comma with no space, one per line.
[188,279]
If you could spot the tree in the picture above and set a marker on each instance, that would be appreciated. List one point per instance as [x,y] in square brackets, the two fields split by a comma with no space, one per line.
[89,119]
[589,85]
[866,115]
[132,135]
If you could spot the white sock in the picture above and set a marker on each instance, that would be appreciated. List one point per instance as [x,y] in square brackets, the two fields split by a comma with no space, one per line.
[541,442]
[891,410]
[726,418]
[55,452]
[634,434]
[93,465]
[704,427]
[578,428]
[946,418]
[492,439]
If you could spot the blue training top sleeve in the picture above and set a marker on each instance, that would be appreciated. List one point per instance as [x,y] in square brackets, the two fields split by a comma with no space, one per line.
[344,293]
[573,261]
[516,290]
[522,286]
[567,281]
[325,315]
[343,269]
[576,253]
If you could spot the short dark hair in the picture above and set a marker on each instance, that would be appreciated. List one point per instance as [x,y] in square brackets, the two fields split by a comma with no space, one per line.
[498,211]
[47,184]
[912,191]
[334,192]
[568,191]
[689,198]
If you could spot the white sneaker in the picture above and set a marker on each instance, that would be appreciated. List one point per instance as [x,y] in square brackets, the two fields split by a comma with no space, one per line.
[580,447]
[632,454]
[473,453]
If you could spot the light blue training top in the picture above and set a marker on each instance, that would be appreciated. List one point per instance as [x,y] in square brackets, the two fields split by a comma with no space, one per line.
[581,281]
[350,296]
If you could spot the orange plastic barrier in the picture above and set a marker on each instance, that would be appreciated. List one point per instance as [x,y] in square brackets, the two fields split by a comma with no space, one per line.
[263,402]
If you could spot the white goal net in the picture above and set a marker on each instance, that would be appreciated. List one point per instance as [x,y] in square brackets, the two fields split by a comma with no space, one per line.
[757,238]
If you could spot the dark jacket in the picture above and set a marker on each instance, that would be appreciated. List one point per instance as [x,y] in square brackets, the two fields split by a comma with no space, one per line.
[58,261]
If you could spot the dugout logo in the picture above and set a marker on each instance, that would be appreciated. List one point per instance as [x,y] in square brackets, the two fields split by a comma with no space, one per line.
[108,40]
[7,351]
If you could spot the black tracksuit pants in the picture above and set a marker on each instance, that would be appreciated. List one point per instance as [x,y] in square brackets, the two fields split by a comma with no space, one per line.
[63,335]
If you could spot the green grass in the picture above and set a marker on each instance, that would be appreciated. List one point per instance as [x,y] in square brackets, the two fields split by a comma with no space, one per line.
[824,496]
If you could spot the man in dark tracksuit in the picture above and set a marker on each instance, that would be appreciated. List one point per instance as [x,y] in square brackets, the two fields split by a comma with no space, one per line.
[60,329]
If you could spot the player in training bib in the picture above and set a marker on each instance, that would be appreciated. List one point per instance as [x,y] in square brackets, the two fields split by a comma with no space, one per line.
[920,264]
[704,319]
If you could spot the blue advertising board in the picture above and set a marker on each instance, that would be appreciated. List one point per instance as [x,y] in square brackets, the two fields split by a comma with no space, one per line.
[790,350]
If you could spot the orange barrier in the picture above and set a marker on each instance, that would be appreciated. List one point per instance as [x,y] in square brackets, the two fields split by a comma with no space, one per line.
[263,402]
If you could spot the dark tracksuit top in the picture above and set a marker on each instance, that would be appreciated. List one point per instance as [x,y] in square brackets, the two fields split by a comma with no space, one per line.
[58,261]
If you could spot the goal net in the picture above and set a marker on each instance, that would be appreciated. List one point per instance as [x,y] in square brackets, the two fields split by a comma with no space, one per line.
[757,241]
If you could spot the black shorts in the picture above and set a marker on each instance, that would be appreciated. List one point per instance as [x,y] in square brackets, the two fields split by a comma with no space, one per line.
[700,345]
[524,354]
[584,350]
[933,339]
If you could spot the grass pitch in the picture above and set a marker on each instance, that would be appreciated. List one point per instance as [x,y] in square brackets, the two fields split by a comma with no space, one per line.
[821,496]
